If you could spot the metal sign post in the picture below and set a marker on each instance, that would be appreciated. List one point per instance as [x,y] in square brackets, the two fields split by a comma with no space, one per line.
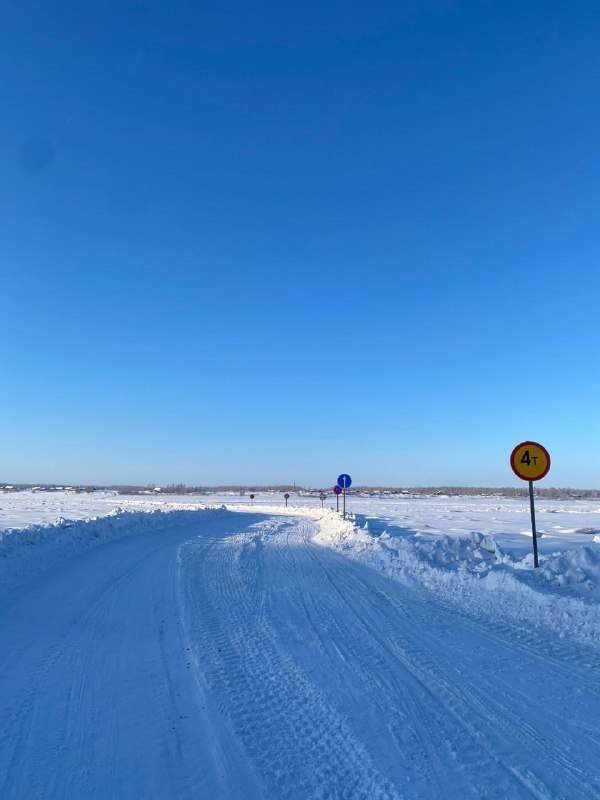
[533,530]
[337,492]
[530,461]
[322,497]
[251,499]
[344,482]
[286,497]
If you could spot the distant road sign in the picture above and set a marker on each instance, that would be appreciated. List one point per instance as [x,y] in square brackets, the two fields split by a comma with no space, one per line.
[337,489]
[345,481]
[530,461]
[322,496]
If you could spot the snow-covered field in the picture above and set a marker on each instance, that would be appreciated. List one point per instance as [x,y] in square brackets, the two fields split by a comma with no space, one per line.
[562,525]
[204,647]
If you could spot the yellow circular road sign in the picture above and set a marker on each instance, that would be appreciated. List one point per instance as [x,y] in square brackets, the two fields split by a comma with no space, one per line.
[530,461]
[286,495]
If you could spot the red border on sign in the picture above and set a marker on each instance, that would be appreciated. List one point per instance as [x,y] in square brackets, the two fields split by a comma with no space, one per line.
[514,469]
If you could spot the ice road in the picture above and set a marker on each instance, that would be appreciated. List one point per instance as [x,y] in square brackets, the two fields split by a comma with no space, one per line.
[233,657]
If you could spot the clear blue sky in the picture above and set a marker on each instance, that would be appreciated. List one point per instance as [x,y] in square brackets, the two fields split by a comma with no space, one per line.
[270,242]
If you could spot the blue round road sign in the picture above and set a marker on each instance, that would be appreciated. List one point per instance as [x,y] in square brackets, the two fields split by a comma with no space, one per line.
[345,481]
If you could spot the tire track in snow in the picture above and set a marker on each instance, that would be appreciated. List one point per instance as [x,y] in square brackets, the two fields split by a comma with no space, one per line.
[309,676]
[302,747]
[485,717]
[435,733]
[488,701]
[95,697]
[416,743]
[383,646]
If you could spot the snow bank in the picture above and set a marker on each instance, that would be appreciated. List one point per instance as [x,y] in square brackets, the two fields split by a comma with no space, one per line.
[472,571]
[28,552]
[563,595]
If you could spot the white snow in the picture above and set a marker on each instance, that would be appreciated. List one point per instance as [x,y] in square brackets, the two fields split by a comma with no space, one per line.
[28,552]
[474,573]
[167,647]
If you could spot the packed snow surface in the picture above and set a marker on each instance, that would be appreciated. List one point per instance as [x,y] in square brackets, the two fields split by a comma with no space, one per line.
[160,647]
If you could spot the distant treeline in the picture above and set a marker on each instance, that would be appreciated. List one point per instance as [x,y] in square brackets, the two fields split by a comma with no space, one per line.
[555,493]
[506,491]
[182,489]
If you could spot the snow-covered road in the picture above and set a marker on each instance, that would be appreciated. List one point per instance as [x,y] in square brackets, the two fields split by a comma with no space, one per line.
[233,657]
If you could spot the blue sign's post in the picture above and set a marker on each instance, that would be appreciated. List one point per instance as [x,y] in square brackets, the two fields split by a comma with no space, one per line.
[344,482]
[337,490]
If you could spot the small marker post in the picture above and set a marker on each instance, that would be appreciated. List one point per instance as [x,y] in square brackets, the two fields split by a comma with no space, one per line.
[251,499]
[286,498]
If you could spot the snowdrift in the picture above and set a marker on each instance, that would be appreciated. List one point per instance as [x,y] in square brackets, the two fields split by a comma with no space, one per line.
[473,573]
[28,552]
